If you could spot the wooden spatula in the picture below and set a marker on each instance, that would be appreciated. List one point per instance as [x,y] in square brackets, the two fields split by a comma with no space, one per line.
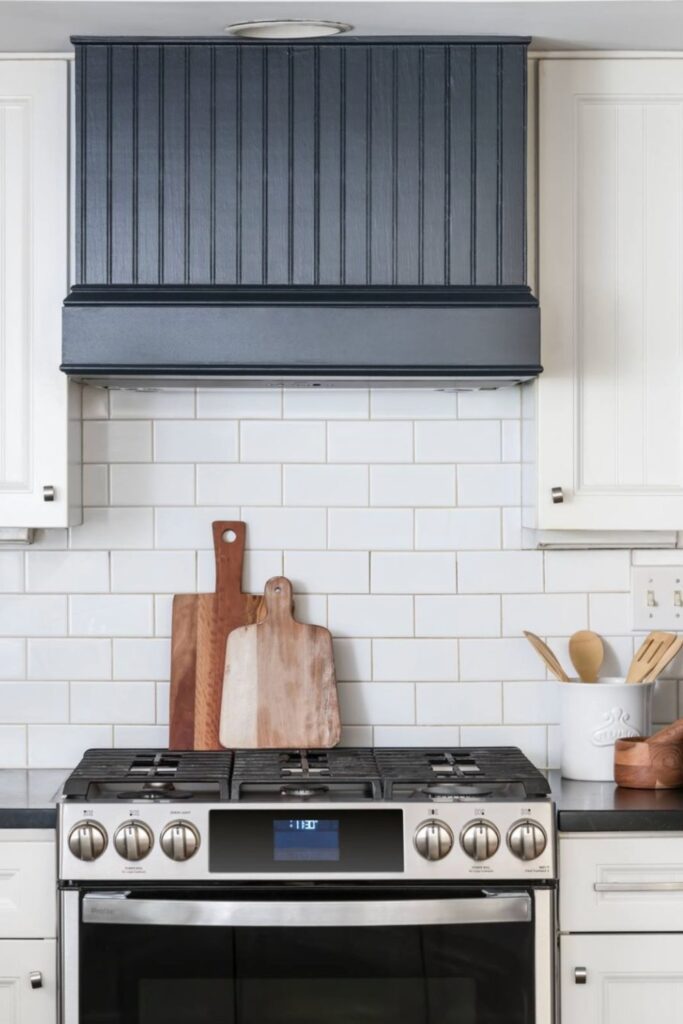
[279,687]
[666,659]
[648,655]
[587,654]
[547,656]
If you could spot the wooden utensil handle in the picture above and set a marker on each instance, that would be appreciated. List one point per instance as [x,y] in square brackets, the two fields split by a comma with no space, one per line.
[229,539]
[278,599]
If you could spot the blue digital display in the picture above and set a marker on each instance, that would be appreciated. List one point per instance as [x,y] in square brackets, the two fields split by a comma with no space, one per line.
[307,839]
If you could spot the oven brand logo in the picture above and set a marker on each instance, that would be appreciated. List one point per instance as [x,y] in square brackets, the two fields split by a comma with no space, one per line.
[615,726]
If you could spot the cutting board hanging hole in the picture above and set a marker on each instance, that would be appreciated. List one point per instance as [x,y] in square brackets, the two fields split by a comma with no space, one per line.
[229,536]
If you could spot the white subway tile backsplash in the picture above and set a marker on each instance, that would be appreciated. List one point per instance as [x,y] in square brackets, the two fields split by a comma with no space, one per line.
[459,529]
[412,660]
[544,613]
[489,485]
[371,529]
[587,570]
[397,514]
[142,659]
[500,572]
[390,441]
[360,616]
[411,485]
[117,441]
[69,659]
[31,615]
[466,616]
[34,702]
[114,528]
[282,442]
[324,404]
[62,746]
[412,573]
[144,572]
[128,703]
[239,403]
[111,615]
[51,572]
[454,441]
[152,485]
[195,441]
[11,572]
[13,746]
[341,572]
[464,703]
[184,527]
[240,485]
[375,703]
[325,485]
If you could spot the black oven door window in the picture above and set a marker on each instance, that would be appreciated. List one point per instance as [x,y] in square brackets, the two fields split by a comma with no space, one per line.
[418,974]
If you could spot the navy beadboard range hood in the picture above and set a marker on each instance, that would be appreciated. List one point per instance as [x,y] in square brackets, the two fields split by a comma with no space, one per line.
[320,212]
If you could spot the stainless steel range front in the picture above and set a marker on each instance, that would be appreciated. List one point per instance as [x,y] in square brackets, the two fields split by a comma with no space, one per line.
[274,887]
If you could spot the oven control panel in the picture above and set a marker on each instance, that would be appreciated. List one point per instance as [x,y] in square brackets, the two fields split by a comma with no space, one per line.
[444,841]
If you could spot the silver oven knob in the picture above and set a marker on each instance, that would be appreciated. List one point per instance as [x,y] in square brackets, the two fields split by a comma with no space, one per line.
[527,840]
[179,840]
[433,839]
[480,840]
[133,840]
[87,840]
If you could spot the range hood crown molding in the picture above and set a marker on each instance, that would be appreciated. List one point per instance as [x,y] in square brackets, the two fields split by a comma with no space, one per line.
[330,211]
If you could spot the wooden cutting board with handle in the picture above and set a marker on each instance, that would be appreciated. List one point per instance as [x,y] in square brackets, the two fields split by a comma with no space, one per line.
[200,628]
[279,688]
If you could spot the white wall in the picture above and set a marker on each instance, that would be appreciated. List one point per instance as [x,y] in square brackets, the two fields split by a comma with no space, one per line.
[396,515]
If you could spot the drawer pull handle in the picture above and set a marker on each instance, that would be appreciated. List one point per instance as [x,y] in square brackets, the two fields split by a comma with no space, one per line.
[36,979]
[638,886]
[580,975]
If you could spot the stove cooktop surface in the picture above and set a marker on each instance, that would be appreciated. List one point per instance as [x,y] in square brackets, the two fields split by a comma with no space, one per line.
[409,774]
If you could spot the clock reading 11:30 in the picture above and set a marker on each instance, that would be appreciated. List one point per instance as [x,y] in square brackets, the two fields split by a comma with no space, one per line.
[303,824]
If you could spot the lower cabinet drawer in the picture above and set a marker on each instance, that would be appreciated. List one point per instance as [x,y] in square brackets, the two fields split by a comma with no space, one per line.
[27,890]
[28,981]
[621,979]
[621,884]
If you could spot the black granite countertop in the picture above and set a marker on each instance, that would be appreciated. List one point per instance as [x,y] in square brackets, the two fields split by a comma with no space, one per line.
[28,798]
[604,807]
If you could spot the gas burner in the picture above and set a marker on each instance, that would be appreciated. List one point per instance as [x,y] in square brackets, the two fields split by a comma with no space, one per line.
[301,792]
[453,790]
[330,775]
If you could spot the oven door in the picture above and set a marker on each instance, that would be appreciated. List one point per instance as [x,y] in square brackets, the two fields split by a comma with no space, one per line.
[306,954]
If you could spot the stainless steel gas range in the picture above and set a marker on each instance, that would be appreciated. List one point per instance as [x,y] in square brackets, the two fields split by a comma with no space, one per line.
[274,887]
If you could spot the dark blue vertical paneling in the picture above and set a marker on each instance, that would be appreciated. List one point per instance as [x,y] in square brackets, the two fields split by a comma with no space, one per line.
[123,160]
[459,184]
[355,157]
[408,165]
[305,150]
[147,268]
[512,226]
[330,165]
[381,151]
[201,163]
[486,142]
[277,161]
[226,146]
[250,115]
[175,154]
[93,160]
[433,236]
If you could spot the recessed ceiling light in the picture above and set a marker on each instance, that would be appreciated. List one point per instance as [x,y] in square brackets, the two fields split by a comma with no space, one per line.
[287,28]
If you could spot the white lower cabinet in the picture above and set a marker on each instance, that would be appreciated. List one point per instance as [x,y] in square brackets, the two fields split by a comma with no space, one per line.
[629,979]
[28,981]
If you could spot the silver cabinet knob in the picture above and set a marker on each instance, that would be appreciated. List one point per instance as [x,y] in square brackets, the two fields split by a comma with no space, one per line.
[480,840]
[133,840]
[557,494]
[87,840]
[527,840]
[36,979]
[179,840]
[580,975]
[433,839]
[49,493]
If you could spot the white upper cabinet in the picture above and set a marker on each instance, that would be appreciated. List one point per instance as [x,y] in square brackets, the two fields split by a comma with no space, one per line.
[610,402]
[38,412]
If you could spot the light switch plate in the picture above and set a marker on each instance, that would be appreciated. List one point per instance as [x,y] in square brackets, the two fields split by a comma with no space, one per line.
[657,593]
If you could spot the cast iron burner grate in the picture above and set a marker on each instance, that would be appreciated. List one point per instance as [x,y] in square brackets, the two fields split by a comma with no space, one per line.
[152,770]
[474,770]
[306,774]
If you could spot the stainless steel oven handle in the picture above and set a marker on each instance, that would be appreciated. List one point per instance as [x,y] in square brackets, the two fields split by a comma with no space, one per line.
[488,909]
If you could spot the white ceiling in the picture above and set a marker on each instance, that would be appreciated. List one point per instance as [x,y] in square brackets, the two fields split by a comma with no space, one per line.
[45,25]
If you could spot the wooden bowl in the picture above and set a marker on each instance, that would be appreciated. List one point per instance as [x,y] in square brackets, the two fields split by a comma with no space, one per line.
[642,765]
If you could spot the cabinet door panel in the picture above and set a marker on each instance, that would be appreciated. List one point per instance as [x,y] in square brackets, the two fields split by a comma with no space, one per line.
[19,1002]
[34,394]
[629,979]
[610,424]
[27,890]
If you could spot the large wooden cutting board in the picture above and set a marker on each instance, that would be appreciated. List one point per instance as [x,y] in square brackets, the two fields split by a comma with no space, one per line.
[279,688]
[200,628]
